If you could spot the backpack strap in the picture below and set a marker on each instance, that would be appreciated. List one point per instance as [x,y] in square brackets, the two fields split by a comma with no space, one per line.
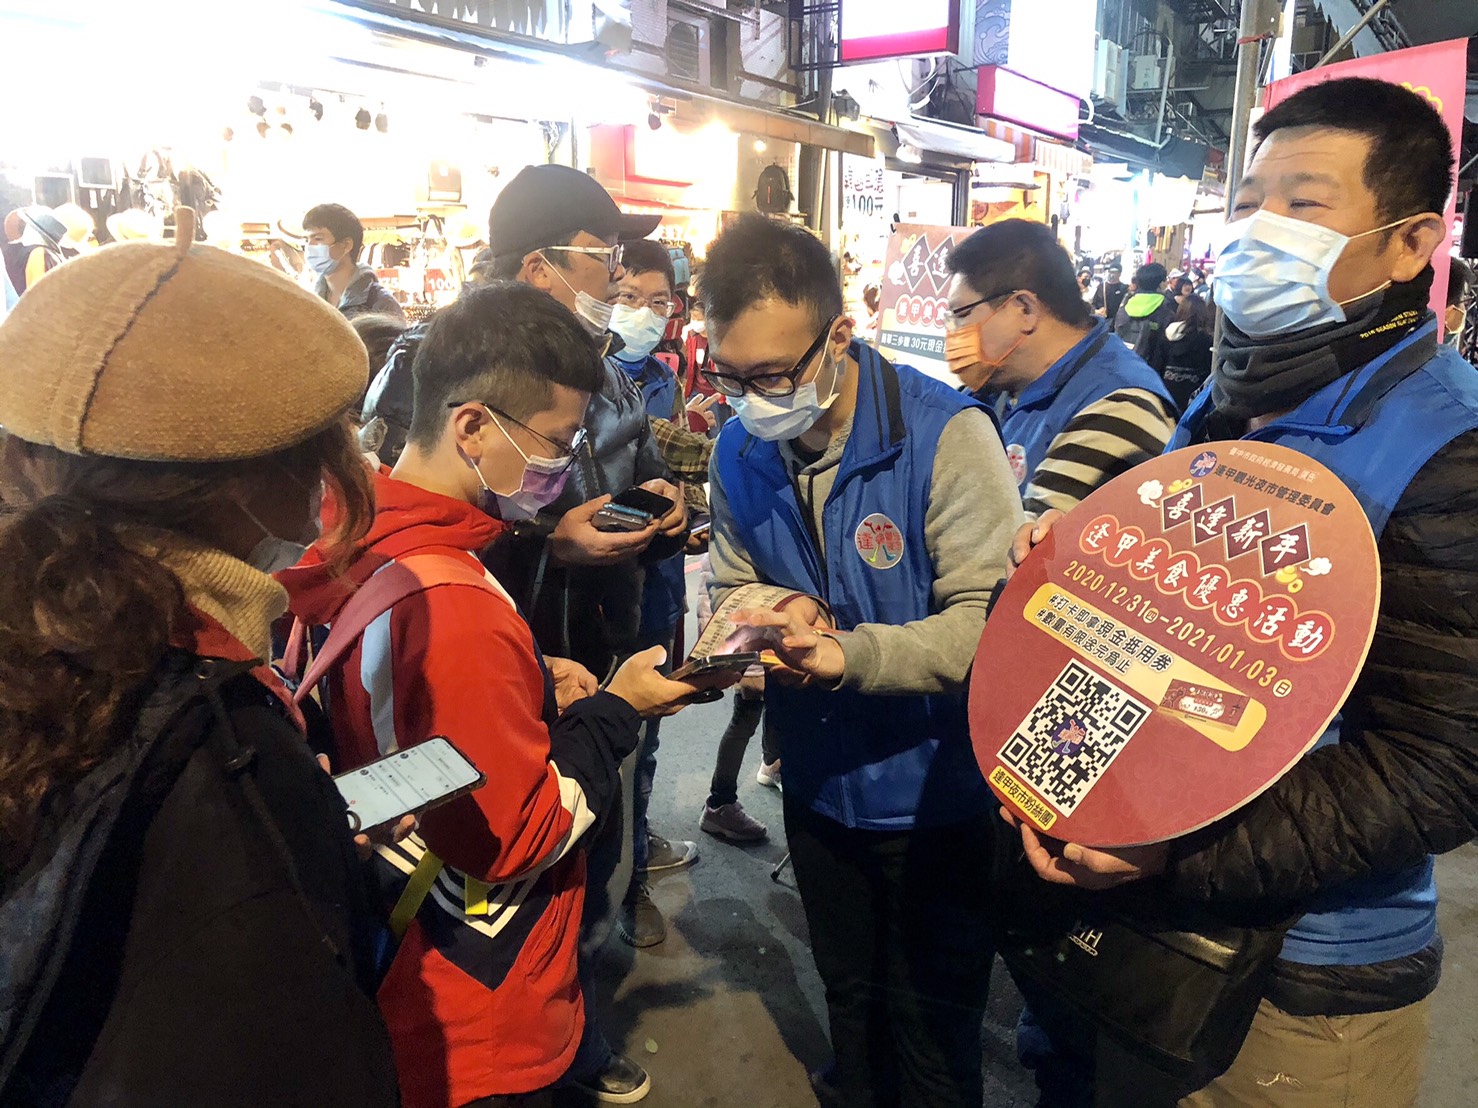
[397,581]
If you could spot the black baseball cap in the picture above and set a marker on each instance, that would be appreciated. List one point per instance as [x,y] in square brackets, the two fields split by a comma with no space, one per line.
[547,203]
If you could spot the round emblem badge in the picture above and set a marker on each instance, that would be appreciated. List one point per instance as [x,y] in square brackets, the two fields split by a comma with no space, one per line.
[1016,455]
[879,541]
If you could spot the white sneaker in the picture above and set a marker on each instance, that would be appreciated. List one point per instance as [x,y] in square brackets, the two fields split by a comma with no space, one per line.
[769,774]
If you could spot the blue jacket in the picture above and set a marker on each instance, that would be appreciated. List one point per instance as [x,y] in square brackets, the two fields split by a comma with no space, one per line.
[1375,428]
[879,762]
[664,594]
[1094,368]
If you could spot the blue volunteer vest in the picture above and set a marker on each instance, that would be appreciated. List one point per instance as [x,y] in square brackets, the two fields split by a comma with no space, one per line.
[879,762]
[1375,428]
[664,592]
[1094,368]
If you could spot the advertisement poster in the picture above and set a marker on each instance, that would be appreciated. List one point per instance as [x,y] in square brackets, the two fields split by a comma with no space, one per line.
[915,280]
[1178,641]
[1439,72]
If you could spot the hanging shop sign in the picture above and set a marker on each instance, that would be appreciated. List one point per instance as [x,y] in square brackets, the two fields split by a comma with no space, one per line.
[1439,72]
[874,29]
[864,194]
[1176,644]
[914,302]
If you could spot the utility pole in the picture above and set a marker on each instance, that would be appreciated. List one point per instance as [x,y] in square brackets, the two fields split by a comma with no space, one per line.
[1259,25]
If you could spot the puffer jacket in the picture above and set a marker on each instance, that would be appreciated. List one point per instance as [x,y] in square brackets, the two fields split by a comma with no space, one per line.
[1403,781]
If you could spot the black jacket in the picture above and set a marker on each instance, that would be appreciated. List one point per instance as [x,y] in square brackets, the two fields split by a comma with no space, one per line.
[1187,362]
[225,941]
[1402,782]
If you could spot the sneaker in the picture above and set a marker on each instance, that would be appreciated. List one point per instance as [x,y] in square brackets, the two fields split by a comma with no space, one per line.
[621,1082]
[662,854]
[640,923]
[732,822]
[769,774]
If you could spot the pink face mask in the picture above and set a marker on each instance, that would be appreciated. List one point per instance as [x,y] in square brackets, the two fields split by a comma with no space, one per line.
[542,481]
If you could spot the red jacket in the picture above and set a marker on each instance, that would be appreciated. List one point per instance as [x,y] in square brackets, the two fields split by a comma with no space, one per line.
[482,997]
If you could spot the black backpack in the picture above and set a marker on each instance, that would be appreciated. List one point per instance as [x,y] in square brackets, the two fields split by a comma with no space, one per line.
[390,400]
[773,193]
[41,907]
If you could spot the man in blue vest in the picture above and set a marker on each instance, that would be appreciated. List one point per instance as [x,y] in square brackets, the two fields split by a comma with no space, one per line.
[873,492]
[1077,408]
[1328,347]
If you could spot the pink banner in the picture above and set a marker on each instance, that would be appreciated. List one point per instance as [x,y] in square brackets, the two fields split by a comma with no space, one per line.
[1439,72]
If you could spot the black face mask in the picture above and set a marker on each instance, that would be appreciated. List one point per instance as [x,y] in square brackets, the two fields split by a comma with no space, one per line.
[1254,377]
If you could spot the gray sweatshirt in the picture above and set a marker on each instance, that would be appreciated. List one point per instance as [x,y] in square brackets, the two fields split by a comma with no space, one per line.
[974,510]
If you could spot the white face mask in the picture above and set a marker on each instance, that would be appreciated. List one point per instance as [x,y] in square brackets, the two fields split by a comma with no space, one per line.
[319,260]
[775,418]
[1272,274]
[641,329]
[595,314]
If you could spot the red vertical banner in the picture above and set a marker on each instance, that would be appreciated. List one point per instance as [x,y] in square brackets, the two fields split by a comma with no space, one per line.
[1439,72]
[914,301]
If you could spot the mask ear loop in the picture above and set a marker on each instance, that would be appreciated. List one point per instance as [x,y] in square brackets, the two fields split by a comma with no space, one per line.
[1378,288]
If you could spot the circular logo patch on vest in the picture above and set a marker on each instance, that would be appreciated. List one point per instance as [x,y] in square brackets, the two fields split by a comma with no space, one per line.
[1016,455]
[879,541]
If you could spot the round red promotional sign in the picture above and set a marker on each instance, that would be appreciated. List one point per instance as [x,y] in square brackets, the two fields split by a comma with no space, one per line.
[1176,643]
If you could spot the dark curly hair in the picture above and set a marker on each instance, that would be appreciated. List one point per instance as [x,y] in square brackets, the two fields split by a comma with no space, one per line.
[86,615]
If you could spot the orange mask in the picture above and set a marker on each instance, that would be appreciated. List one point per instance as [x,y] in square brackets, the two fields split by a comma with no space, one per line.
[962,350]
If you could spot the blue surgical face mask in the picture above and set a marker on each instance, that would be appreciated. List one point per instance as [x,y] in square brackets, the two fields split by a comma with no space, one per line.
[1272,274]
[641,329]
[319,260]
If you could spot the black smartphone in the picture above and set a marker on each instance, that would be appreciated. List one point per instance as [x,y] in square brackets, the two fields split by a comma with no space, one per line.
[716,663]
[633,510]
[407,782]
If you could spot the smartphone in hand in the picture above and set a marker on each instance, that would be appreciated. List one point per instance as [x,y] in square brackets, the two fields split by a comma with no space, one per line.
[407,782]
[633,510]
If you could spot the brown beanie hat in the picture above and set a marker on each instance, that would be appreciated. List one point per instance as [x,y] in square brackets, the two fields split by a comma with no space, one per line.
[174,352]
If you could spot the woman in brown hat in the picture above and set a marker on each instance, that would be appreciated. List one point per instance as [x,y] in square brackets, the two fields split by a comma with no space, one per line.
[182,915]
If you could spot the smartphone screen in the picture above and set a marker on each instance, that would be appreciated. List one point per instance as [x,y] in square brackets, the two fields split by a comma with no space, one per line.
[407,781]
[645,500]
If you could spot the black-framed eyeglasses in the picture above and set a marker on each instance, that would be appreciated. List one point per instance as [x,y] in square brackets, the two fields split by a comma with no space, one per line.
[954,318]
[773,385]
[612,254]
[564,451]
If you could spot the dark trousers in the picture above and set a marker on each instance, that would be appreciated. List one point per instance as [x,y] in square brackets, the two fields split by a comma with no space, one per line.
[519,1100]
[898,924]
[749,711]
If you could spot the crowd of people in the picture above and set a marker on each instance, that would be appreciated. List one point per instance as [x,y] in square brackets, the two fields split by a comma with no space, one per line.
[259,533]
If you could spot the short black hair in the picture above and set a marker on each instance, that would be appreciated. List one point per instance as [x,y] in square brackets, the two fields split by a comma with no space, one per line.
[1149,277]
[505,344]
[338,221]
[648,256]
[1459,280]
[1017,254]
[505,267]
[1409,166]
[758,258]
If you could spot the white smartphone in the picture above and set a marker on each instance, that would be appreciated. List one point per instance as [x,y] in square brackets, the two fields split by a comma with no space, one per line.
[407,782]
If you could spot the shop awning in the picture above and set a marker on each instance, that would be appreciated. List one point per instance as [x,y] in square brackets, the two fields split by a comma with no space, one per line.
[580,70]
[968,143]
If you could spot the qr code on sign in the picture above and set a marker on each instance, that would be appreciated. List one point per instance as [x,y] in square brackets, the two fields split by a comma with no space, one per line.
[1073,734]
